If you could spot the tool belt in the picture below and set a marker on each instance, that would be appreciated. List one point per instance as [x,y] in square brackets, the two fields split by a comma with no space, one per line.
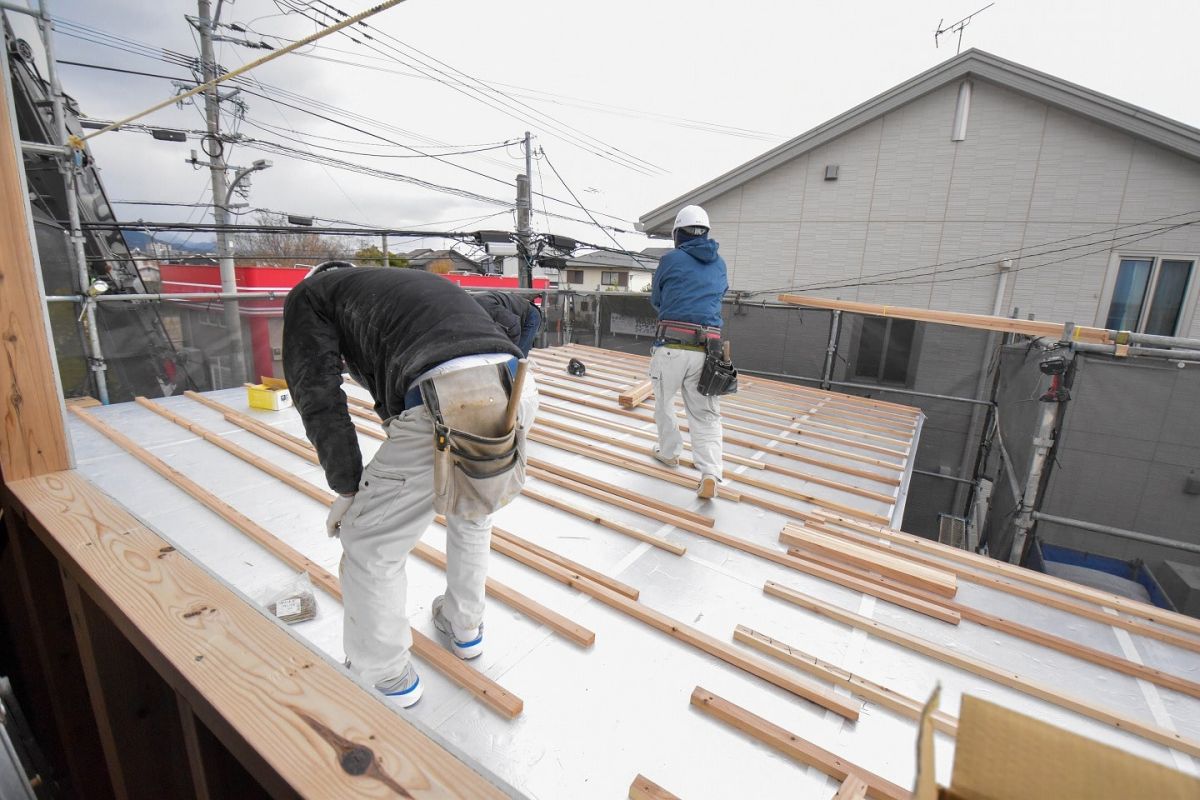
[718,376]
[478,466]
[685,334]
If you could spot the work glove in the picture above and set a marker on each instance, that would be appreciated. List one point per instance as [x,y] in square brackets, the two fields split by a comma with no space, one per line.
[333,523]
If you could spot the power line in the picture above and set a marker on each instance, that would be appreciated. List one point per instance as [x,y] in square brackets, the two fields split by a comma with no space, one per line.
[607,233]
[1125,241]
[979,260]
[538,95]
[269,93]
[497,100]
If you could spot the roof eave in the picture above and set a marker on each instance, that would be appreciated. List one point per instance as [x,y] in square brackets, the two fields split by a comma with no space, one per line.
[1137,121]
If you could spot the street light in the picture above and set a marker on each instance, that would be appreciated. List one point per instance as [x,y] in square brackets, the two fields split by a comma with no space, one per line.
[241,175]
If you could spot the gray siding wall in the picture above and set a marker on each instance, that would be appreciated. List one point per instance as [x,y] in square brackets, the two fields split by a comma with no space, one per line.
[908,198]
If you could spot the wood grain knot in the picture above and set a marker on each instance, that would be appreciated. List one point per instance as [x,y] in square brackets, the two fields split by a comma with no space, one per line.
[357,760]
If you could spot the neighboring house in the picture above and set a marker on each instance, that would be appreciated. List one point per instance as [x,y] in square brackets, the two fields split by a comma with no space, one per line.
[978,186]
[976,156]
[604,271]
[440,261]
[203,323]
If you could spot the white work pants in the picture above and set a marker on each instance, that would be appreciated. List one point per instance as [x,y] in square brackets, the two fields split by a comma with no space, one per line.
[673,370]
[393,508]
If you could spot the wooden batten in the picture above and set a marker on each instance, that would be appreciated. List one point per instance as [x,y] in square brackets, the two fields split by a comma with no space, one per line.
[983,669]
[985,322]
[794,746]
[635,394]
[939,582]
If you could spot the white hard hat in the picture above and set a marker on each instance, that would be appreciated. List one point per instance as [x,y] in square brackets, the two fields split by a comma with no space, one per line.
[691,217]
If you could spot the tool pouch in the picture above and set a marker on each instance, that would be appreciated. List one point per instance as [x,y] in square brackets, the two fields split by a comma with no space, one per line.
[718,376]
[477,469]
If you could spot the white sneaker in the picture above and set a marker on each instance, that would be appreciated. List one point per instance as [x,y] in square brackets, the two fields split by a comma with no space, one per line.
[405,690]
[670,462]
[707,488]
[468,644]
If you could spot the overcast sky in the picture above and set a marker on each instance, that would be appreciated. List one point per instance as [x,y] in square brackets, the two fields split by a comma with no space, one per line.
[775,69]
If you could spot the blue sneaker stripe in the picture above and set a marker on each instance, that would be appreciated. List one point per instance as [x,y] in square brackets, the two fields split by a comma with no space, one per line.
[471,643]
[405,691]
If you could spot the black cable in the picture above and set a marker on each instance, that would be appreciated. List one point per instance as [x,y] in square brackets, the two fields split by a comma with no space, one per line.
[1019,250]
[465,89]
[318,115]
[620,247]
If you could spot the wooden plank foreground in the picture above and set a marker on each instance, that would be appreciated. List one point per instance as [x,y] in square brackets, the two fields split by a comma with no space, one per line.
[259,689]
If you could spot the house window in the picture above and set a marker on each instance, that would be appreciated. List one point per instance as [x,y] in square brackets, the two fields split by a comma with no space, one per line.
[1149,295]
[220,371]
[212,319]
[885,349]
[614,278]
[574,276]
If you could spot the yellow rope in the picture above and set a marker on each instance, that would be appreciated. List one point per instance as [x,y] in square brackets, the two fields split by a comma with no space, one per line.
[77,142]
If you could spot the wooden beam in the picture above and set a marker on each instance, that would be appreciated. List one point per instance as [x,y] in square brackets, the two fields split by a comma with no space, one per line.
[983,322]
[903,705]
[429,651]
[893,566]
[1013,582]
[853,788]
[643,788]
[563,561]
[135,709]
[635,394]
[895,593]
[216,774]
[574,477]
[768,438]
[749,480]
[766,385]
[981,668]
[511,597]
[600,519]
[684,633]
[79,741]
[793,746]
[620,461]
[1061,644]
[751,390]
[259,689]
[649,434]
[33,437]
[542,421]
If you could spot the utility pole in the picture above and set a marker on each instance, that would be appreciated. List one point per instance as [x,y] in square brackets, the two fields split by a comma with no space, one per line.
[524,215]
[220,191]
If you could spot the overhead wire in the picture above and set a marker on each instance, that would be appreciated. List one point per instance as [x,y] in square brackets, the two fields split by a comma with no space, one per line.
[273,94]
[620,248]
[468,86]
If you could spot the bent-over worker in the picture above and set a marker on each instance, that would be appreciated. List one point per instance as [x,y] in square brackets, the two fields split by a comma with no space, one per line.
[686,292]
[435,364]
[519,318]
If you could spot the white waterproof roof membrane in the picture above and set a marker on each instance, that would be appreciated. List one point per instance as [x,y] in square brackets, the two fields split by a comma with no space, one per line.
[597,715]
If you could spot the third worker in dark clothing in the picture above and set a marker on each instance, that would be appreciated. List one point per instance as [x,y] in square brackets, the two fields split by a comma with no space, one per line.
[517,317]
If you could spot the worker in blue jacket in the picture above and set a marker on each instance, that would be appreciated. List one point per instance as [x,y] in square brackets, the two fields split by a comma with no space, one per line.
[687,290]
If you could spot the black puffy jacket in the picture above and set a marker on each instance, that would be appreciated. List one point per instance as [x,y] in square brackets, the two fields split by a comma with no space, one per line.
[509,311]
[388,325]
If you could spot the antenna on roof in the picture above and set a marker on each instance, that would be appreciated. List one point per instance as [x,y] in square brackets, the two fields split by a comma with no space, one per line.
[957,27]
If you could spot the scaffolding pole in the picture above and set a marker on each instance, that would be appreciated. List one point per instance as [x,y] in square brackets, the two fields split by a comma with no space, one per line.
[69,169]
